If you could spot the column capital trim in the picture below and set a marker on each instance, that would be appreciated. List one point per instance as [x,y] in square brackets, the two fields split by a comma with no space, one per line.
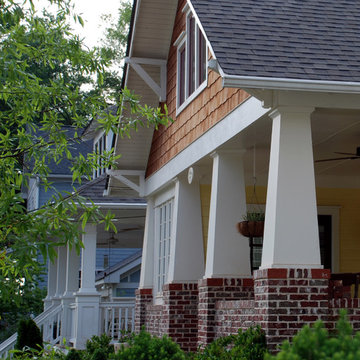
[219,152]
[306,110]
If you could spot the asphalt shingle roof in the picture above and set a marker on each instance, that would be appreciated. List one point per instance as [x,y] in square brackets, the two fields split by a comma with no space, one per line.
[94,191]
[119,265]
[293,39]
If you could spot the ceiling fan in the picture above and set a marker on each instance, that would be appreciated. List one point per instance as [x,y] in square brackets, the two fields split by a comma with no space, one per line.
[350,156]
[113,240]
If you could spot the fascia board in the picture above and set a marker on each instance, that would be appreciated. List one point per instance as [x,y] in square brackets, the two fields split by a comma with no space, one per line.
[234,81]
[249,111]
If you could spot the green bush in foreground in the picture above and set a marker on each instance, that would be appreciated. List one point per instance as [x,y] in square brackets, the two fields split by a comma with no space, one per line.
[146,347]
[245,345]
[316,343]
[29,336]
[98,348]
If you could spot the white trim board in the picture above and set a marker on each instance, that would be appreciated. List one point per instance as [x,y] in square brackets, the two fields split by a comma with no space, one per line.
[249,111]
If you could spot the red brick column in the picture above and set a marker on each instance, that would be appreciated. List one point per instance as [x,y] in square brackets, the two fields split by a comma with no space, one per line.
[143,298]
[180,314]
[213,290]
[287,299]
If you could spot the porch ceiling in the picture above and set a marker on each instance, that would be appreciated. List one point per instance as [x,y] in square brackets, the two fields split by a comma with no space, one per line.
[130,230]
[333,130]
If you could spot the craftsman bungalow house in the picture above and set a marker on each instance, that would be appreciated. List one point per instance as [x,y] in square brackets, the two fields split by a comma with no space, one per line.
[259,92]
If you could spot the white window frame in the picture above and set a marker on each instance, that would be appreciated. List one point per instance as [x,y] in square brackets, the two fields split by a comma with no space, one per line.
[180,43]
[163,237]
[100,146]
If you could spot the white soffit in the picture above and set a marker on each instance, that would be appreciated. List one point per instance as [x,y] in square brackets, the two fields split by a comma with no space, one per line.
[153,28]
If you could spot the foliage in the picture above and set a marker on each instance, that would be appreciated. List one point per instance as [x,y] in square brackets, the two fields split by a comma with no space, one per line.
[99,346]
[99,354]
[29,335]
[144,346]
[113,44]
[245,345]
[126,336]
[254,216]
[30,305]
[116,35]
[43,67]
[47,353]
[316,343]
[73,354]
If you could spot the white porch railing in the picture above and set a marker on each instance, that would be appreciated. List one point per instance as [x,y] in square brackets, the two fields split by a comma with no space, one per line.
[48,321]
[117,318]
[50,325]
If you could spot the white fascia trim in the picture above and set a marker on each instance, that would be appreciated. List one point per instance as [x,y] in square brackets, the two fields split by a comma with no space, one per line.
[138,3]
[120,206]
[234,81]
[240,118]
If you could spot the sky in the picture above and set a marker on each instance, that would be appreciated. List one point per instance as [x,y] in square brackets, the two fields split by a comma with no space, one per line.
[90,11]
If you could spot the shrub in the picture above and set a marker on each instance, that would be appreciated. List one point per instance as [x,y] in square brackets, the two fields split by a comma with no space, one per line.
[99,342]
[28,335]
[317,344]
[100,354]
[146,347]
[245,345]
[73,354]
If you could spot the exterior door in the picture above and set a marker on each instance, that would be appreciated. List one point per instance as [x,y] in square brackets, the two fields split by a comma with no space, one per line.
[325,238]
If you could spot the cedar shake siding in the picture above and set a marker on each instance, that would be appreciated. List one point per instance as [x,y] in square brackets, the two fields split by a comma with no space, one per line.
[208,108]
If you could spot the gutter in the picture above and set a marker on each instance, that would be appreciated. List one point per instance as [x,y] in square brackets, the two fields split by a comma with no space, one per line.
[119,206]
[235,81]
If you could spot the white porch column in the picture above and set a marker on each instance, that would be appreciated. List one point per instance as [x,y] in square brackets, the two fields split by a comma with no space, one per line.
[186,250]
[228,252]
[147,262]
[61,272]
[51,283]
[71,286]
[291,238]
[87,299]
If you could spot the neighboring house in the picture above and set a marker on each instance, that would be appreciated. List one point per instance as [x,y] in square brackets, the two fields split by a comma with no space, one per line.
[92,292]
[256,89]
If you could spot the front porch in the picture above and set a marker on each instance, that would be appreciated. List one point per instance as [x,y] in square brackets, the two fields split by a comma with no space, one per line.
[209,289]
[93,292]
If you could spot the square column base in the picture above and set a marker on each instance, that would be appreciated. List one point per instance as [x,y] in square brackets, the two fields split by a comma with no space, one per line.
[176,317]
[287,299]
[87,313]
[212,290]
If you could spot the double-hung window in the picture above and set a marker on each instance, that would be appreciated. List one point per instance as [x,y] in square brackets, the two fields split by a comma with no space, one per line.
[163,225]
[192,62]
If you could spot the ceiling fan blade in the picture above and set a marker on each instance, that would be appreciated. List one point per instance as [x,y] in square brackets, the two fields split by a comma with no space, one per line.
[342,158]
[343,153]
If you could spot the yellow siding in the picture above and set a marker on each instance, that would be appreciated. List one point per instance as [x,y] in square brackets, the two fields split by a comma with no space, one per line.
[348,200]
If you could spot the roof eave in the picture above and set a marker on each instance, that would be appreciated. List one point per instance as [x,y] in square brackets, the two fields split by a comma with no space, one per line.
[267,83]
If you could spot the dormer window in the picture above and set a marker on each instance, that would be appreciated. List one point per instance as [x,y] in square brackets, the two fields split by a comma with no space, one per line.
[191,63]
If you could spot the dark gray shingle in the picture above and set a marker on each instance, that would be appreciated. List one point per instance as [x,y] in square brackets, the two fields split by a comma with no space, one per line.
[293,39]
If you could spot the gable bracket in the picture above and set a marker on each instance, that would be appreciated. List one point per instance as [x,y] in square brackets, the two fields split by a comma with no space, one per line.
[136,63]
[121,175]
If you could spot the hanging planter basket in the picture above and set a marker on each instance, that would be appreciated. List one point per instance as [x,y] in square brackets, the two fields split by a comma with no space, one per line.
[251,228]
